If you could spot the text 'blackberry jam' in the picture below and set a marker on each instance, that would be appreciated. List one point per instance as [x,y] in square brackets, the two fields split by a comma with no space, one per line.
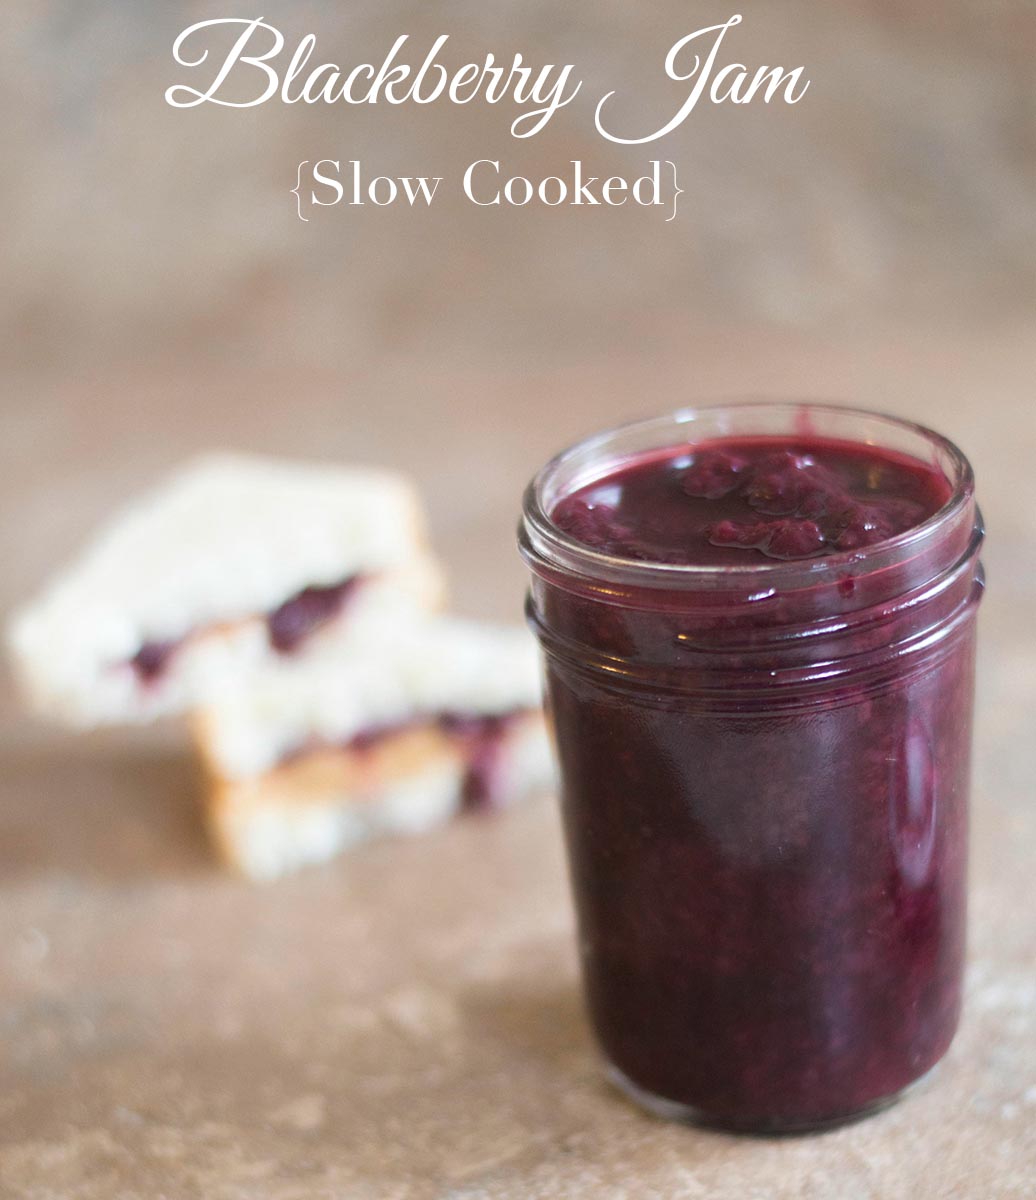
[758,626]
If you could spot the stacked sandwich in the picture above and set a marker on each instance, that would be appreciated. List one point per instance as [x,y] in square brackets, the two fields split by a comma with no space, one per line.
[291,612]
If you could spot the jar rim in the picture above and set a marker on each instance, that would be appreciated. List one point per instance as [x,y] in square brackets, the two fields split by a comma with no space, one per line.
[544,539]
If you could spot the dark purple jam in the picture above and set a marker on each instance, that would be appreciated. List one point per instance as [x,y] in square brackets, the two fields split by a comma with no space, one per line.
[768,497]
[482,737]
[765,784]
[300,617]
[152,659]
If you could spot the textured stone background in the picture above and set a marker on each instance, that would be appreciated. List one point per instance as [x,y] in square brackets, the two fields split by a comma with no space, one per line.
[407,1024]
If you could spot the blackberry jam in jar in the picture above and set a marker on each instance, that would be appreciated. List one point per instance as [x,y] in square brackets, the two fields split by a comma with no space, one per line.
[758,627]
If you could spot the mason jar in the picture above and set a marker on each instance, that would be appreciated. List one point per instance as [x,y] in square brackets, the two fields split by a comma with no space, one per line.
[764,772]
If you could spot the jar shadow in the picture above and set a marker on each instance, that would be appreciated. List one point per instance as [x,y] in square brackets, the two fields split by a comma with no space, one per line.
[543,1025]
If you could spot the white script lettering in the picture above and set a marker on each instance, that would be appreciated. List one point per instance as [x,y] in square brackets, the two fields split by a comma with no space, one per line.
[735,77]
[547,88]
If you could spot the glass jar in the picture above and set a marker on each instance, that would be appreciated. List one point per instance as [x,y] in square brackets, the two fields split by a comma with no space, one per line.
[764,790]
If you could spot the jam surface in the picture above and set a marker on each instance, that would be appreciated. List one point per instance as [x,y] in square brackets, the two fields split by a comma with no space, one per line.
[753,498]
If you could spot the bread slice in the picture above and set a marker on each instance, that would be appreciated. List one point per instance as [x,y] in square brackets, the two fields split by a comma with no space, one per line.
[313,808]
[232,562]
[315,757]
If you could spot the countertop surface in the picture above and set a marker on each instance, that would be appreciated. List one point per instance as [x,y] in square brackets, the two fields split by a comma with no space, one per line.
[406,1023]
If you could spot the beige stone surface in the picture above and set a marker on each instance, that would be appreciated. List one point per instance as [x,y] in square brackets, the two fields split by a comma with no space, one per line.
[406,1023]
